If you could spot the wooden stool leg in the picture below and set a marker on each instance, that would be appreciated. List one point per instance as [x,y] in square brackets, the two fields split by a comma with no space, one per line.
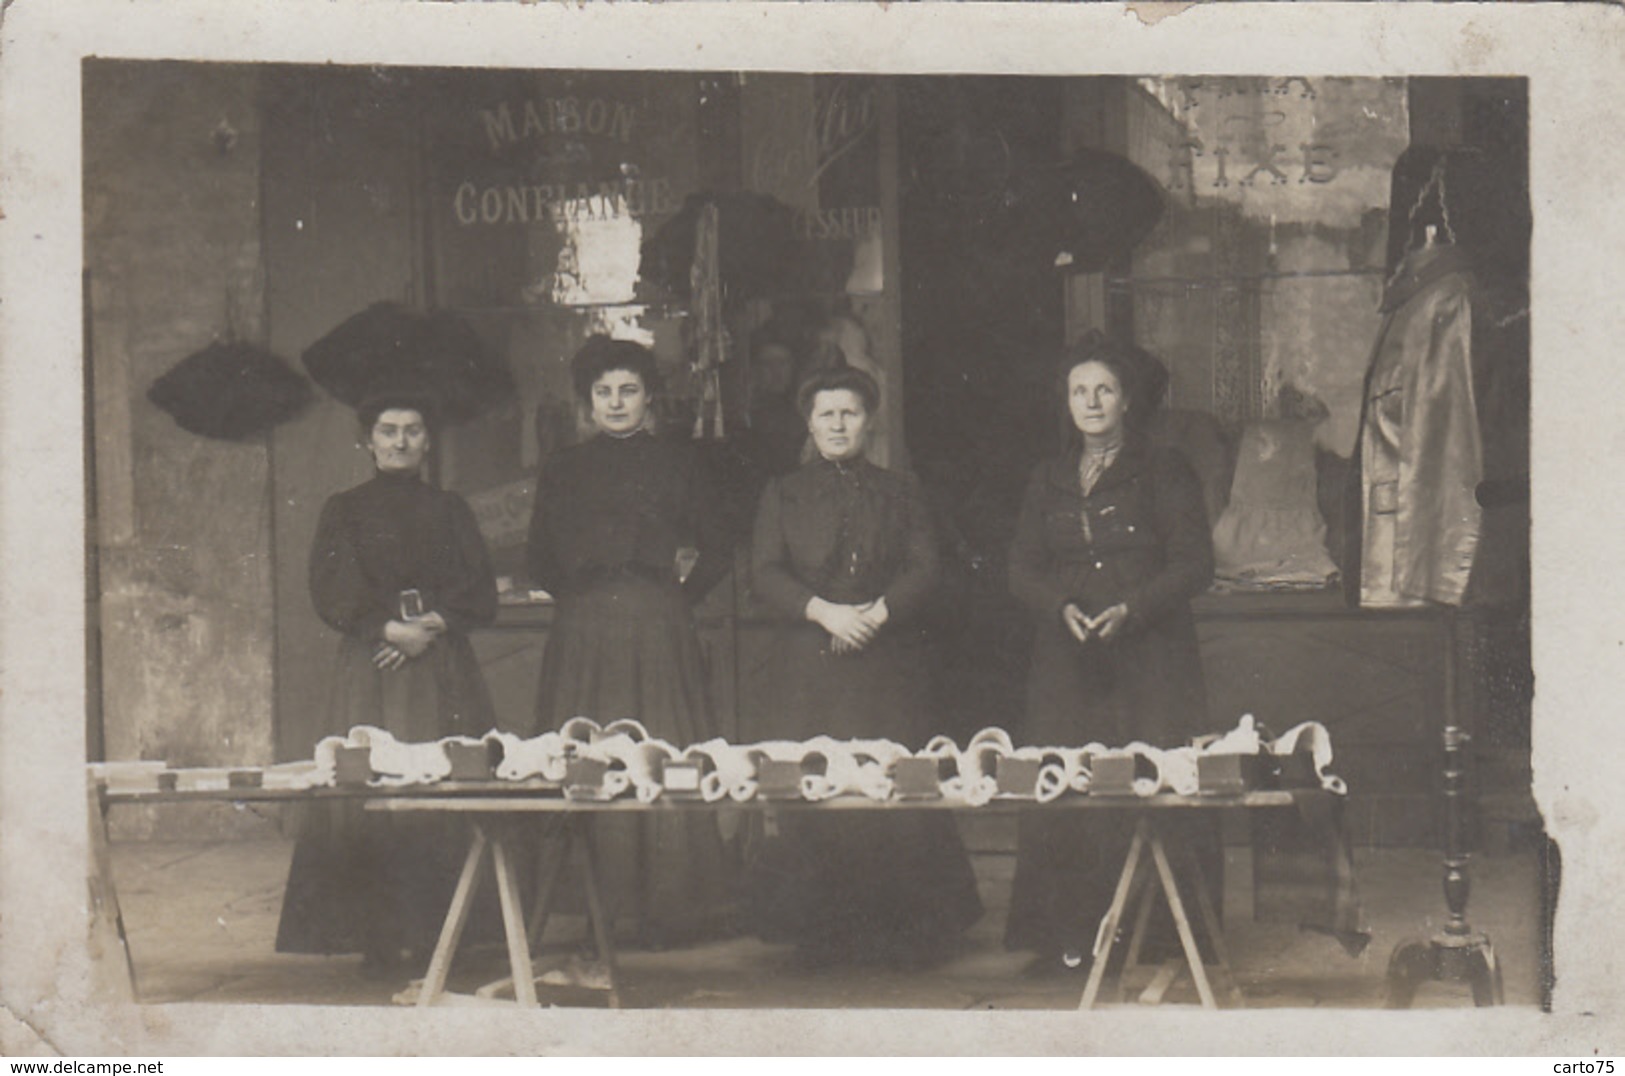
[595,905]
[434,980]
[513,925]
[1193,955]
[1107,937]
[554,855]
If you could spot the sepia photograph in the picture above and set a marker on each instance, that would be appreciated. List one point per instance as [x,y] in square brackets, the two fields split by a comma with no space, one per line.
[827,543]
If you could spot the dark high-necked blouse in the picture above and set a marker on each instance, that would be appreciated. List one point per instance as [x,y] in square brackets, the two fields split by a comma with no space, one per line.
[1139,536]
[611,515]
[848,533]
[614,505]
[389,534]
[395,533]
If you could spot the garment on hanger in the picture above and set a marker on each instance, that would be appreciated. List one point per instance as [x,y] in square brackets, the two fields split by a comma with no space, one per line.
[1420,450]
[1272,535]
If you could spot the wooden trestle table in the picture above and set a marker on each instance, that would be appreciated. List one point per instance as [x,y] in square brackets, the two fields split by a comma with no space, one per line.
[1152,865]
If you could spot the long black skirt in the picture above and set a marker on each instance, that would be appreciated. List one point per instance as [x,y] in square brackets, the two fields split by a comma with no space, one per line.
[1146,686]
[628,648]
[1067,869]
[861,883]
[368,882]
[362,881]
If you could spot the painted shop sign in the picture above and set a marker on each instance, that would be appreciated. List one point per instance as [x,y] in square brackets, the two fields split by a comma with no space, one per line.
[838,225]
[844,114]
[1311,162]
[597,117]
[1284,149]
[552,203]
[560,158]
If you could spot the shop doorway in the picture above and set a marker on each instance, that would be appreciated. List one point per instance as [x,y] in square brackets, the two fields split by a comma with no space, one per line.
[982,315]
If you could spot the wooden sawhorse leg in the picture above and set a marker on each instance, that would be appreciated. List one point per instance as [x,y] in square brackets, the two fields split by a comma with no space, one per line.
[1148,840]
[574,834]
[1106,936]
[487,843]
[451,932]
[111,964]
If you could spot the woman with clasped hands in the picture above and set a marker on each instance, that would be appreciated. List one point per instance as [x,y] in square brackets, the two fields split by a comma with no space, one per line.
[1111,545]
[844,552]
[399,570]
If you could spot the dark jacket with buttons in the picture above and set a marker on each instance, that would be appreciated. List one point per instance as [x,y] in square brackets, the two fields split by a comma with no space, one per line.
[1141,537]
[848,533]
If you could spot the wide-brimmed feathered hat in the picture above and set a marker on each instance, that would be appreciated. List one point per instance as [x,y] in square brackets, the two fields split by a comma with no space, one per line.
[230,391]
[1101,206]
[389,349]
[756,245]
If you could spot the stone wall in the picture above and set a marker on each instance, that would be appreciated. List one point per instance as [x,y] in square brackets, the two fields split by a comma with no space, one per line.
[173,261]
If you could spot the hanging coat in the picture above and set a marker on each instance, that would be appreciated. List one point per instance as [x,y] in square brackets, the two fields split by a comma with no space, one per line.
[1420,451]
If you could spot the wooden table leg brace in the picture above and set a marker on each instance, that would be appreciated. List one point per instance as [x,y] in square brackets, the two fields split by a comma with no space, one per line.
[1147,839]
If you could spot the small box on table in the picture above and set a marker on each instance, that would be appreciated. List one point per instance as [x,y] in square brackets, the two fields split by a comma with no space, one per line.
[1018,776]
[1113,775]
[680,779]
[352,765]
[778,780]
[584,779]
[469,762]
[245,778]
[916,779]
[1228,774]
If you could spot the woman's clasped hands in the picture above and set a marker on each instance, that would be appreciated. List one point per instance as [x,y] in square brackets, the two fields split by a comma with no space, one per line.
[407,639]
[1105,625]
[851,627]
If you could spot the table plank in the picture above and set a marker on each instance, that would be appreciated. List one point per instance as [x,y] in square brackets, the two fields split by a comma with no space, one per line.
[429,801]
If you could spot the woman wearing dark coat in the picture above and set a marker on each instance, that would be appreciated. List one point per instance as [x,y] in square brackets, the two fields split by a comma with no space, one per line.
[611,516]
[1111,545]
[844,553]
[366,881]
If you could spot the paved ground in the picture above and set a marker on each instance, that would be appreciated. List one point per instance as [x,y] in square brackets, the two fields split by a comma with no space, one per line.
[201,919]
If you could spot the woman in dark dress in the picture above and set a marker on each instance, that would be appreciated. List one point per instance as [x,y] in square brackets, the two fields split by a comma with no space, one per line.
[844,552]
[398,568]
[612,515]
[1111,545]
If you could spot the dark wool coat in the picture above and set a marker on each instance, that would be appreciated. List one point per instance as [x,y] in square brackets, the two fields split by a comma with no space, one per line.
[1141,537]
